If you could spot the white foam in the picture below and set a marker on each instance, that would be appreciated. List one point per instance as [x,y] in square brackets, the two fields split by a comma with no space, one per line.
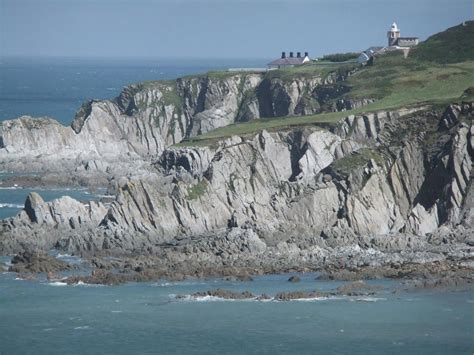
[63,256]
[190,298]
[10,205]
[178,283]
[312,299]
[208,299]
[83,327]
[370,299]
[57,283]
[81,283]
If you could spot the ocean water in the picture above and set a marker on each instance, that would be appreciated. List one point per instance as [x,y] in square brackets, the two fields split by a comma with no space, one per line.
[56,87]
[45,317]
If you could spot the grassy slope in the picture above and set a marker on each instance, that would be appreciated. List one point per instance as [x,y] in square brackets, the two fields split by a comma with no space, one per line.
[427,76]
[454,45]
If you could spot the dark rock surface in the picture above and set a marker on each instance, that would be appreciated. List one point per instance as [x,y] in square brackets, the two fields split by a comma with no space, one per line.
[34,262]
[294,279]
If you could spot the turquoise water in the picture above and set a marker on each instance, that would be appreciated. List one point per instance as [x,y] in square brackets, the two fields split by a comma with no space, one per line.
[38,317]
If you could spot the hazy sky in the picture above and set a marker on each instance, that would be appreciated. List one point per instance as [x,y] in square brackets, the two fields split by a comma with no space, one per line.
[214,28]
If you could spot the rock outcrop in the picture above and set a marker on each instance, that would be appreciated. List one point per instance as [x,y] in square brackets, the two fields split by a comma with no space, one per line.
[115,136]
[372,189]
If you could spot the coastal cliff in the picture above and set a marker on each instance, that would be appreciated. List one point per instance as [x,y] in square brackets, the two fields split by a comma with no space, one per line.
[370,185]
[147,118]
[261,170]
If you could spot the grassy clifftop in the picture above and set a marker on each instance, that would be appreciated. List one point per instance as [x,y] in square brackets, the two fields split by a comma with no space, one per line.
[437,72]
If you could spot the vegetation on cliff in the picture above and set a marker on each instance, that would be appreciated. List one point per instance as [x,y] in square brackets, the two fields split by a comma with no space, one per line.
[438,72]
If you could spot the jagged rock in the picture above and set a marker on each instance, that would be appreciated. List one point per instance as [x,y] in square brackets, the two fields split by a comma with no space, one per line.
[294,279]
[265,199]
[297,295]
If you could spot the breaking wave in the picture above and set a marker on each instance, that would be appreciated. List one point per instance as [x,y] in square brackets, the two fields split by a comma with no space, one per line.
[10,205]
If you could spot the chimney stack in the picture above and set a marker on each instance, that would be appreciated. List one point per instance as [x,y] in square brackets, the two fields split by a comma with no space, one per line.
[283,55]
[298,55]
[291,54]
[305,54]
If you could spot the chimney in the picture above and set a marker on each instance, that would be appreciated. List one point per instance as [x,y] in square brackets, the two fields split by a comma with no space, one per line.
[283,55]
[298,55]
[291,54]
[305,54]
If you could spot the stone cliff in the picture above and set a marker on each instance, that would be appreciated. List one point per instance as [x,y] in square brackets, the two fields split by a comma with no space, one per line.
[147,118]
[384,181]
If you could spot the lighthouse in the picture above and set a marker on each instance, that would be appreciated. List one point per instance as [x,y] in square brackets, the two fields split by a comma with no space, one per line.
[393,35]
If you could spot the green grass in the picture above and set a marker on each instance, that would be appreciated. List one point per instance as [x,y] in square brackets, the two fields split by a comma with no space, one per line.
[197,190]
[354,161]
[309,70]
[393,81]
[340,57]
[454,45]
[396,81]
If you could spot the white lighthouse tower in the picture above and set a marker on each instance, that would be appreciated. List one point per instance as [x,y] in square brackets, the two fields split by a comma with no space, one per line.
[393,35]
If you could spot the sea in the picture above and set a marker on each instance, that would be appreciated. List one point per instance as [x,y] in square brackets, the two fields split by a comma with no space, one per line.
[43,317]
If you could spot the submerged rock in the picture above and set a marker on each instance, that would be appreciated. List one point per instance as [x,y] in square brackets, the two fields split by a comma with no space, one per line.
[34,262]
[294,279]
[357,288]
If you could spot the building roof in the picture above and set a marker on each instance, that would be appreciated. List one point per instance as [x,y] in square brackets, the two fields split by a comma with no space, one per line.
[373,50]
[288,61]
[407,38]
[369,53]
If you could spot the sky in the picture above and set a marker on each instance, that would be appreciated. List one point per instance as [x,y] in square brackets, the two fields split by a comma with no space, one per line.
[214,28]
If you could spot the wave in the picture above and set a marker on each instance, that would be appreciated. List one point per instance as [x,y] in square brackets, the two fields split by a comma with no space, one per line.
[10,205]
[177,283]
[207,298]
[57,283]
[59,256]
[10,187]
[370,299]
[191,298]
[80,283]
[82,327]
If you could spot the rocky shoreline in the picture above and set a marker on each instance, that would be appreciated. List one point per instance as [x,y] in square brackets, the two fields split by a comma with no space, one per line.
[381,194]
[441,276]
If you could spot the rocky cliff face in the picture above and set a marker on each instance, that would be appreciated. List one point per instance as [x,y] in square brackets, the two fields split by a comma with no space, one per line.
[147,118]
[359,183]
